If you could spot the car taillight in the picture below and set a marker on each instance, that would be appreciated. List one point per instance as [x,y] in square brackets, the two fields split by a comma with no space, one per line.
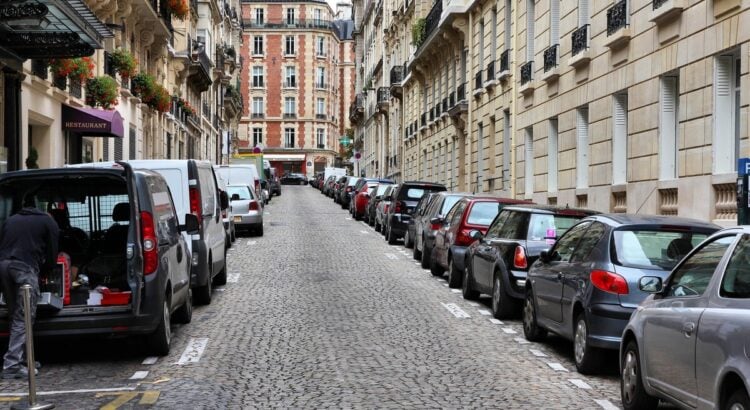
[398,207]
[386,207]
[348,189]
[149,243]
[224,213]
[463,238]
[195,204]
[254,206]
[519,258]
[257,185]
[435,226]
[609,282]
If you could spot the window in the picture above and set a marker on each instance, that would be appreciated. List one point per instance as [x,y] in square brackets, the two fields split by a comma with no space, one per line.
[455,214]
[588,242]
[258,109]
[320,78]
[668,115]
[257,76]
[552,149]
[481,44]
[204,37]
[582,147]
[259,17]
[620,139]
[583,12]
[514,226]
[258,45]
[317,15]
[257,136]
[320,136]
[506,148]
[659,250]
[550,227]
[692,277]
[482,213]
[554,22]
[528,159]
[290,16]
[508,22]
[726,113]
[493,40]
[289,137]
[321,106]
[564,248]
[480,156]
[494,230]
[291,77]
[290,106]
[530,12]
[290,45]
[736,281]
[321,46]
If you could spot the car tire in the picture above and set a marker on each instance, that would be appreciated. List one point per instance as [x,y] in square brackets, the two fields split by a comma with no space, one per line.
[587,358]
[234,235]
[416,254]
[435,268]
[632,392]
[426,257]
[738,400]
[259,230]
[221,278]
[377,226]
[184,314]
[408,241]
[160,340]
[455,277]
[503,306]
[202,294]
[531,329]
[467,284]
[391,238]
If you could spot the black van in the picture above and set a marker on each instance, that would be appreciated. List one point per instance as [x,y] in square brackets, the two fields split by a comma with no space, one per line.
[123,266]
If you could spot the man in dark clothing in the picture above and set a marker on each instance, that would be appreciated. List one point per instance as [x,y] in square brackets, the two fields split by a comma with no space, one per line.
[28,243]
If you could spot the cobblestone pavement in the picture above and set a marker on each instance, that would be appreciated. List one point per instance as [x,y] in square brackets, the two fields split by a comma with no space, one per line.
[322,313]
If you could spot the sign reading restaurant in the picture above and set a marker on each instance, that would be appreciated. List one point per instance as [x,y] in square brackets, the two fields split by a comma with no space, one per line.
[85,125]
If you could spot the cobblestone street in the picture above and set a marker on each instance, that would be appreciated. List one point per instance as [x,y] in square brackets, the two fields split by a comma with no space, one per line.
[322,313]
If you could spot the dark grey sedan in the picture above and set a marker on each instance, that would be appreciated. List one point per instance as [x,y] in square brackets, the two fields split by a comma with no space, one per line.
[586,287]
[688,343]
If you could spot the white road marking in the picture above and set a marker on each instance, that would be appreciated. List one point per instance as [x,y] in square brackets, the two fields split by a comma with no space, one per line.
[141,374]
[364,232]
[193,351]
[56,392]
[417,263]
[426,270]
[233,277]
[441,279]
[557,366]
[509,331]
[485,312]
[475,304]
[496,322]
[522,341]
[348,219]
[150,360]
[221,289]
[456,290]
[391,256]
[455,310]
[606,404]
[537,353]
[251,243]
[365,224]
[579,383]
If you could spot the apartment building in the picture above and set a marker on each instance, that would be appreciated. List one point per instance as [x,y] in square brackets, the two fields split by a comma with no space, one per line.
[297,81]
[621,106]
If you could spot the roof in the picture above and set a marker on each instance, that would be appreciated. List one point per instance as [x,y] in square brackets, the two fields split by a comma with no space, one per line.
[422,183]
[344,29]
[633,219]
[549,209]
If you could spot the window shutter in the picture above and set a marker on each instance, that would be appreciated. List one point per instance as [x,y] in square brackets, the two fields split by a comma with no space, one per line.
[552,157]
[724,121]
[668,128]
[582,148]
[118,149]
[105,148]
[583,12]
[530,12]
[620,139]
[554,10]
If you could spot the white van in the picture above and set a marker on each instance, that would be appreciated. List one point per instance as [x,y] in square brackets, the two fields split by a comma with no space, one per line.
[241,174]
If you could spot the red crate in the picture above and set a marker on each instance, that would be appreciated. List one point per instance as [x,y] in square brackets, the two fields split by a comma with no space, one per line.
[116,298]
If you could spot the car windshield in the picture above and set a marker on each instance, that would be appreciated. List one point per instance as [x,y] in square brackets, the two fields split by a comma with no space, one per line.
[448,204]
[381,189]
[482,213]
[414,193]
[550,227]
[371,189]
[241,191]
[353,181]
[653,249]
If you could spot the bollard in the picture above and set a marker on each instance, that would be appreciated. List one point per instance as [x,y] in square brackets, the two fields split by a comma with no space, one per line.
[32,404]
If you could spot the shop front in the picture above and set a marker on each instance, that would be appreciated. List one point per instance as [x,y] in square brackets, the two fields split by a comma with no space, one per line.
[81,125]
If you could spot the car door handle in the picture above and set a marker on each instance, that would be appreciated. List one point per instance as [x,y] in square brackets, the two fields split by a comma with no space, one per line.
[688,329]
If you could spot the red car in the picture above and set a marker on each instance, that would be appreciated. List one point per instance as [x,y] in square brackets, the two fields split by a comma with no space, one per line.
[362,197]
[452,233]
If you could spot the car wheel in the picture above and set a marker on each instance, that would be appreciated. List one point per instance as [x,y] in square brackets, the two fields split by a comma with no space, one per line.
[377,226]
[416,254]
[203,293]
[587,358]
[738,400]
[502,305]
[467,284]
[160,340]
[426,257]
[227,241]
[259,230]
[184,314]
[408,242]
[531,329]
[435,267]
[455,277]
[391,238]
[234,235]
[632,392]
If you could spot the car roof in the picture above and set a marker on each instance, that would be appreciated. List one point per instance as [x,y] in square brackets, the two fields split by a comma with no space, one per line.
[425,183]
[633,219]
[496,198]
[550,209]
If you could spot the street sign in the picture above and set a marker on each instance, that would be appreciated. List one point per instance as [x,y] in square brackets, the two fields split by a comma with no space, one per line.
[743,166]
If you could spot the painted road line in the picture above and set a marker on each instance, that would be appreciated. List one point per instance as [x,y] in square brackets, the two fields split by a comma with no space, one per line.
[456,290]
[221,289]
[141,374]
[391,256]
[522,341]
[557,367]
[537,353]
[475,304]
[149,397]
[193,351]
[56,392]
[455,310]
[445,284]
[417,263]
[249,243]
[348,219]
[606,405]
[233,277]
[496,322]
[365,224]
[150,360]
[579,383]
[509,331]
[363,232]
[485,312]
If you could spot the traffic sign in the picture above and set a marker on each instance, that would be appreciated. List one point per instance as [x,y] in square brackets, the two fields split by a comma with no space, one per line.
[743,166]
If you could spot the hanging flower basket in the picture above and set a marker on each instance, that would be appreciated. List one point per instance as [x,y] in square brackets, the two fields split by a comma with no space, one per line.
[102,92]
[143,86]
[179,8]
[161,100]
[185,107]
[61,67]
[82,69]
[123,62]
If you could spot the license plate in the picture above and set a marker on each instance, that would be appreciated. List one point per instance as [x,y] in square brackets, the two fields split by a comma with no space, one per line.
[238,219]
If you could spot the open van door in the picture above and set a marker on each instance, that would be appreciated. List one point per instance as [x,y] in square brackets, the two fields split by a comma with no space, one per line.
[134,252]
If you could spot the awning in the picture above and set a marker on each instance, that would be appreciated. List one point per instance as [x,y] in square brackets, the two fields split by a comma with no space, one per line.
[92,122]
[284,157]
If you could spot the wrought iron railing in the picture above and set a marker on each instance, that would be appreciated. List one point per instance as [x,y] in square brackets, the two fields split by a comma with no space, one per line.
[491,71]
[290,115]
[258,115]
[284,24]
[290,84]
[74,88]
[423,119]
[505,61]
[40,69]
[478,80]
[657,3]
[397,74]
[550,57]
[384,94]
[433,18]
[320,116]
[60,82]
[461,92]
[617,17]
[451,99]
[580,39]
[321,146]
[527,72]
[445,104]
[320,85]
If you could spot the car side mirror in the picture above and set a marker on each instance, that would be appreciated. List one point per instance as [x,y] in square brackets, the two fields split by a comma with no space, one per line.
[224,200]
[235,197]
[475,235]
[651,284]
[191,225]
[544,256]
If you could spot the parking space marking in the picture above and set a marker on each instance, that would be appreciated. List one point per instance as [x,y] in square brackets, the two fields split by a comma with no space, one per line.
[509,331]
[456,290]
[193,351]
[496,322]
[249,243]
[56,392]
[417,263]
[580,383]
[606,404]
[522,341]
[233,277]
[475,304]
[485,312]
[141,374]
[150,397]
[455,310]
[426,270]
[150,360]
[557,367]
[538,353]
[391,256]
[221,289]
[364,232]
[348,219]
[445,284]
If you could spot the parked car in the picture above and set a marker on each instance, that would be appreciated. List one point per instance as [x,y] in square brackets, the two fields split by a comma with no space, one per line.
[248,212]
[328,185]
[345,195]
[423,203]
[404,201]
[381,212]
[119,230]
[687,343]
[227,217]
[468,215]
[358,206]
[372,205]
[293,179]
[586,287]
[424,230]
[243,174]
[337,187]
[497,263]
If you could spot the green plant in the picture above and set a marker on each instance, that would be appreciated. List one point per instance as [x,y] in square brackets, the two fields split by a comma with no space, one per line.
[143,86]
[123,62]
[418,32]
[79,69]
[102,92]
[161,100]
[31,160]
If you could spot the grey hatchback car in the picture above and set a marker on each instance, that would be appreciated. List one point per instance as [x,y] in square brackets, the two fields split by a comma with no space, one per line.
[586,287]
[688,342]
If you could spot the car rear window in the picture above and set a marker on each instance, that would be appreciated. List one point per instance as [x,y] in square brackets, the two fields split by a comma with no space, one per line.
[653,249]
[550,227]
[242,191]
[415,192]
[482,213]
[448,204]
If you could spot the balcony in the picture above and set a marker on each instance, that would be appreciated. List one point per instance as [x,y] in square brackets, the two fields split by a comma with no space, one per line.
[397,76]
[431,21]
[666,10]
[320,116]
[504,65]
[580,52]
[304,24]
[618,32]
[550,63]
[527,74]
[40,69]
[384,98]
[357,109]
[199,74]
[233,102]
[478,86]
[290,84]
[320,85]
[321,146]
[290,115]
[490,81]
